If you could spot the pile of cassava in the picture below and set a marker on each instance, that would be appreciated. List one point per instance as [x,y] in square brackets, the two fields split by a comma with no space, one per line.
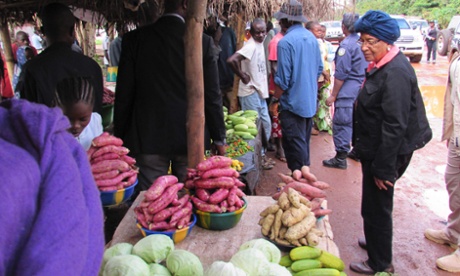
[215,185]
[112,168]
[306,183]
[162,209]
[290,221]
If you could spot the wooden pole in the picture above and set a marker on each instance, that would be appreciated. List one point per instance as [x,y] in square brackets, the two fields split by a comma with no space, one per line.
[240,32]
[9,58]
[194,80]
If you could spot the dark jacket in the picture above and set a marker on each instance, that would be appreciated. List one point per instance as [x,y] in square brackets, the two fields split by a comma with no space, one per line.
[390,118]
[40,75]
[151,101]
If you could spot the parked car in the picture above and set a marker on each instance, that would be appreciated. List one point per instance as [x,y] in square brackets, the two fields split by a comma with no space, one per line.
[410,41]
[333,31]
[448,39]
[419,24]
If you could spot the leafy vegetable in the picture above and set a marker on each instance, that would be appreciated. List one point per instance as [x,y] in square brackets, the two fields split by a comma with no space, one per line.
[159,270]
[126,265]
[251,260]
[154,248]
[272,253]
[276,270]
[224,269]
[116,250]
[184,263]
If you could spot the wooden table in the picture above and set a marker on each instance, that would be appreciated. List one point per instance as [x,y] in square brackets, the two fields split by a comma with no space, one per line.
[212,246]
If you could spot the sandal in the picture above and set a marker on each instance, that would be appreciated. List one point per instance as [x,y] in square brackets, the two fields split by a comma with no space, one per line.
[281,158]
[270,161]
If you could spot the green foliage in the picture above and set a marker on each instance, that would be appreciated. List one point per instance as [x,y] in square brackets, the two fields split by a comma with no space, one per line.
[322,118]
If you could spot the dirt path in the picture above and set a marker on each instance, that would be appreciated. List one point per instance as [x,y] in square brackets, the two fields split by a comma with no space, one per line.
[420,197]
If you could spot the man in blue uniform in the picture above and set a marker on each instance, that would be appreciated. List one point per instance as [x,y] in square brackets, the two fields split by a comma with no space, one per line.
[350,67]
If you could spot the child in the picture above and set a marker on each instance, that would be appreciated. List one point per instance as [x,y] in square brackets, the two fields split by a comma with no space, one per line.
[76,96]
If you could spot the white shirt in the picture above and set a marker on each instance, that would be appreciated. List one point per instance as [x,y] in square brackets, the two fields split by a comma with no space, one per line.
[91,131]
[254,65]
[36,41]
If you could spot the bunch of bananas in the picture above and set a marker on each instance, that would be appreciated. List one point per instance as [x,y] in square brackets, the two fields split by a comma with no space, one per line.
[237,165]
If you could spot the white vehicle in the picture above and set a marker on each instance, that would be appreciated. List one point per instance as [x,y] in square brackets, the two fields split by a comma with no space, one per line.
[410,42]
[419,24]
[333,30]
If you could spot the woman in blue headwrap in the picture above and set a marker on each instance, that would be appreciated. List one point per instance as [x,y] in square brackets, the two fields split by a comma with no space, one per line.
[390,124]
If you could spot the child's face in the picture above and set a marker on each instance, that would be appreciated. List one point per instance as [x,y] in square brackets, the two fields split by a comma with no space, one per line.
[79,116]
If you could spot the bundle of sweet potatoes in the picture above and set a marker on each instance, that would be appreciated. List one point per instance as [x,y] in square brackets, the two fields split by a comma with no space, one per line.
[112,168]
[216,186]
[306,183]
[162,209]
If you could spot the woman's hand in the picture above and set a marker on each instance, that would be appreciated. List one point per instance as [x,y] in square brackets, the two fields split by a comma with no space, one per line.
[382,184]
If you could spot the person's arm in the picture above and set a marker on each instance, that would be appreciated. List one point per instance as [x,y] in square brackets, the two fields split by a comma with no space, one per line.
[343,66]
[126,86]
[214,115]
[283,73]
[335,91]
[235,63]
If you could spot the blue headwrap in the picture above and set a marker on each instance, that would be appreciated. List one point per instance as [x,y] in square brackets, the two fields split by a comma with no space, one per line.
[380,25]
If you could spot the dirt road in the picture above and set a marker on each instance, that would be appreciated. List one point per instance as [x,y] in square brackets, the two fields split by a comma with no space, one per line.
[420,197]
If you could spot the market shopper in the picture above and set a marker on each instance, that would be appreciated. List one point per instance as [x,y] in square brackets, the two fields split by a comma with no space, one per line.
[296,78]
[431,38]
[390,124]
[51,221]
[248,63]
[350,67]
[151,99]
[450,234]
[38,79]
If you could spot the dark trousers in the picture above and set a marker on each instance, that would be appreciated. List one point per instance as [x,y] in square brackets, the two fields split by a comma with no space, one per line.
[431,45]
[296,139]
[376,210]
[342,128]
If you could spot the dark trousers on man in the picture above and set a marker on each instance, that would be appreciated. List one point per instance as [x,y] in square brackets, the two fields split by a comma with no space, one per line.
[376,210]
[296,139]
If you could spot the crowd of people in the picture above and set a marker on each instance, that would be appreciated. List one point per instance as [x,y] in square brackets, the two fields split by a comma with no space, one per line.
[378,108]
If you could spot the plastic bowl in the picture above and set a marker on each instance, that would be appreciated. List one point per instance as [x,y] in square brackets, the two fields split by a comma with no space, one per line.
[113,198]
[222,221]
[177,236]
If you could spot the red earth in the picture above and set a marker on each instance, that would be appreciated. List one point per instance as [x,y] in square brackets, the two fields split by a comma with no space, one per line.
[420,200]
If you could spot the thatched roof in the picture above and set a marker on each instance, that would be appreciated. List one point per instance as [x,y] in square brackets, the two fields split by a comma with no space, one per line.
[19,11]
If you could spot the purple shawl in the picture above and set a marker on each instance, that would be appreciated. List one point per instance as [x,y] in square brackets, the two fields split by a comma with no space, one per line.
[51,220]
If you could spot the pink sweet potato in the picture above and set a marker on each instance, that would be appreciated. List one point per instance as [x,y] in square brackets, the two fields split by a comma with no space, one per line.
[111,188]
[184,221]
[214,162]
[308,175]
[321,212]
[165,198]
[202,194]
[114,181]
[191,173]
[219,195]
[165,213]
[182,201]
[240,193]
[231,209]
[239,203]
[104,140]
[185,211]
[238,183]
[110,148]
[109,165]
[320,185]
[285,178]
[316,203]
[232,197]
[105,156]
[90,152]
[218,172]
[296,174]
[159,226]
[132,179]
[304,189]
[141,217]
[106,175]
[215,183]
[128,159]
[189,184]
[159,186]
[205,207]
[223,205]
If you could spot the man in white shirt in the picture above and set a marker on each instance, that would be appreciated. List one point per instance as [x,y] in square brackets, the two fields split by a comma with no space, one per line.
[250,65]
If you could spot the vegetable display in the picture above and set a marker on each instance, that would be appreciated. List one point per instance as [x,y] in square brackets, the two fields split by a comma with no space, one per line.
[241,124]
[112,168]
[290,222]
[162,209]
[237,147]
[216,186]
[310,261]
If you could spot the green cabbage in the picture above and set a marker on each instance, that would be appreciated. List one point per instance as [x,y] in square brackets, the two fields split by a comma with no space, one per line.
[118,249]
[251,260]
[276,270]
[184,263]
[224,269]
[270,250]
[154,248]
[126,265]
[159,270]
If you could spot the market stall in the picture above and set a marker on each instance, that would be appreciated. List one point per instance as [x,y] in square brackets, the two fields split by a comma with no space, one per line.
[211,246]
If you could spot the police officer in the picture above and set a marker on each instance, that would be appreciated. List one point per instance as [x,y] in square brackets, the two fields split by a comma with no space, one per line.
[350,67]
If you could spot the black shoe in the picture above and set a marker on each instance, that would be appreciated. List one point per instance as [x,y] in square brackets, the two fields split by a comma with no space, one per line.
[336,163]
[362,243]
[352,155]
[364,268]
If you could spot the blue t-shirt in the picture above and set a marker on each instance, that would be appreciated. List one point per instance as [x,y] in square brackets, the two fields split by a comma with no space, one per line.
[299,66]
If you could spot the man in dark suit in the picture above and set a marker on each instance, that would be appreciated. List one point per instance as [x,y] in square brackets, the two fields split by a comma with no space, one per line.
[151,100]
[39,76]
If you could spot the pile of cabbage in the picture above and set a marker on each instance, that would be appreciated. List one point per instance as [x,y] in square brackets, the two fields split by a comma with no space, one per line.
[147,257]
[155,255]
